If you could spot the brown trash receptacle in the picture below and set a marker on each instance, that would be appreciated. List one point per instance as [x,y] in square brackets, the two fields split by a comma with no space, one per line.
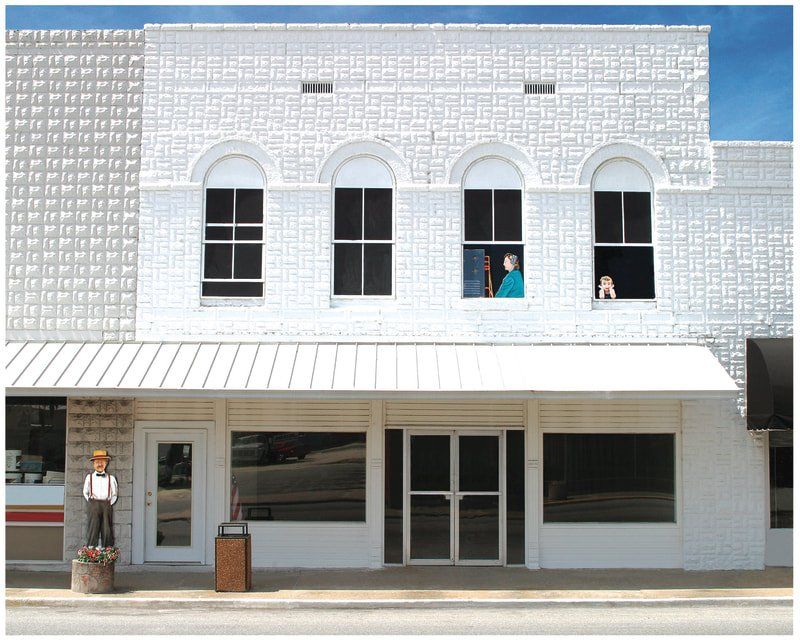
[232,563]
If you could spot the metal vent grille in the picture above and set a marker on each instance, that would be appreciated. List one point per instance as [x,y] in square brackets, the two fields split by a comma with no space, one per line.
[317,88]
[540,88]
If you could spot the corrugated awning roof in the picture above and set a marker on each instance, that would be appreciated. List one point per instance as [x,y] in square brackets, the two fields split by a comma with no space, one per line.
[319,368]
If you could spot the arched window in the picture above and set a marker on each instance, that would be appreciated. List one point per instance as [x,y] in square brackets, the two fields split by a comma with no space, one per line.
[623,231]
[363,229]
[233,230]
[492,227]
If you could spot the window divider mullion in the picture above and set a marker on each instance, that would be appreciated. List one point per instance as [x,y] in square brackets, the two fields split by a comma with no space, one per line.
[363,235]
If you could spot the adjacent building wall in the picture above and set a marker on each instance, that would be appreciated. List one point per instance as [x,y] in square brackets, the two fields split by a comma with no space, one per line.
[73,136]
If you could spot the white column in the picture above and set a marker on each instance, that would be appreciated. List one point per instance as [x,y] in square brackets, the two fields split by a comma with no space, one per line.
[532,484]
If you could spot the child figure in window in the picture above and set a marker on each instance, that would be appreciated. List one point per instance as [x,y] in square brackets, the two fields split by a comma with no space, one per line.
[606,288]
[512,283]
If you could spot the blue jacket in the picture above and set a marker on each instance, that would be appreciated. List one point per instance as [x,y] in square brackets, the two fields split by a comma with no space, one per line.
[512,285]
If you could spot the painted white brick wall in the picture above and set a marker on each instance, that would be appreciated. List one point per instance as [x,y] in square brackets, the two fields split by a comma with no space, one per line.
[73,119]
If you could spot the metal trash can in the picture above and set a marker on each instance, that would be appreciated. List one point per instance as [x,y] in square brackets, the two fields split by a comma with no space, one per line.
[232,561]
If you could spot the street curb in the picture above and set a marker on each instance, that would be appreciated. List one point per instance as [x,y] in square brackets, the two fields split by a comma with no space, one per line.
[214,603]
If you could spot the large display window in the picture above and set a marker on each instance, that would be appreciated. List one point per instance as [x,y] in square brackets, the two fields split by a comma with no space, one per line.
[609,478]
[36,434]
[297,476]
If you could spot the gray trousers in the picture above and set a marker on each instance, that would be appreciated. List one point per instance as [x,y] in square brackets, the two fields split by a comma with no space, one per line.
[100,523]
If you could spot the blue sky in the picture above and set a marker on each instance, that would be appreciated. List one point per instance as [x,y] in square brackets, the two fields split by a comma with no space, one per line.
[751,46]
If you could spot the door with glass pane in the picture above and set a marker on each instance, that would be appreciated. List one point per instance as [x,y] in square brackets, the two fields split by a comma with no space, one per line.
[174,502]
[454,502]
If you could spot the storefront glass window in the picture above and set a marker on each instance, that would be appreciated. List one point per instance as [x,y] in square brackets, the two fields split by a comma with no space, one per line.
[609,478]
[36,434]
[291,476]
[780,479]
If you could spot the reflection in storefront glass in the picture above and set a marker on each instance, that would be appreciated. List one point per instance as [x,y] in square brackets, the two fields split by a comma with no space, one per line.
[609,477]
[294,476]
[174,500]
[36,432]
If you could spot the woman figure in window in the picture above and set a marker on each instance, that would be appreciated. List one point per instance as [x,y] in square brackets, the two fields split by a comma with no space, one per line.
[512,283]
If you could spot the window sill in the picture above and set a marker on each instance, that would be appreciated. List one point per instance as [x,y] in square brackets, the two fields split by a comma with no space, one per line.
[624,305]
[364,302]
[491,304]
[232,301]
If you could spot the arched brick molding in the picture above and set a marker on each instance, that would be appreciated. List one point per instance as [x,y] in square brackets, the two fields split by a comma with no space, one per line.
[372,148]
[639,154]
[494,149]
[234,147]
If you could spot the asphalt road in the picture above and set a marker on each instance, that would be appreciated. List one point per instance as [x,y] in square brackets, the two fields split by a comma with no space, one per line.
[732,618]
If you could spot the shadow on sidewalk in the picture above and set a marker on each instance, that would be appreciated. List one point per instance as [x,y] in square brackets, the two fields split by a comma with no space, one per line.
[428,578]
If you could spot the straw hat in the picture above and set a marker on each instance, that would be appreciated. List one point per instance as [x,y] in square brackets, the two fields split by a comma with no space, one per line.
[99,454]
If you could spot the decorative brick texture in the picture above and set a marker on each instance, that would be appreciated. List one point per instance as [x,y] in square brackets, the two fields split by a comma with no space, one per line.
[73,119]
[724,502]
[98,423]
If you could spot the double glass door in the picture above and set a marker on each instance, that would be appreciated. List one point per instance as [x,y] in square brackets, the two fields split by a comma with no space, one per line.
[454,505]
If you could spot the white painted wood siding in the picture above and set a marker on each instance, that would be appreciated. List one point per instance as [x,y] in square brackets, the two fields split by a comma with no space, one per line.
[179,409]
[455,414]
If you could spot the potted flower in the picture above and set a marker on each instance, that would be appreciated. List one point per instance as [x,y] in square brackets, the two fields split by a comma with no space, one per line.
[93,570]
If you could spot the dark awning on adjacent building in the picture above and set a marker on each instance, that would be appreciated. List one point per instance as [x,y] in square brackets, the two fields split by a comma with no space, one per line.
[769,384]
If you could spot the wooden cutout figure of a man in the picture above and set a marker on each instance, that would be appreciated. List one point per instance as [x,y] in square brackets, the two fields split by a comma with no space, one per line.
[100,491]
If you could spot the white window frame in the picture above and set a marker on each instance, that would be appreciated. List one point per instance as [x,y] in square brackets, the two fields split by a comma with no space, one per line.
[233,242]
[595,244]
[523,230]
[362,241]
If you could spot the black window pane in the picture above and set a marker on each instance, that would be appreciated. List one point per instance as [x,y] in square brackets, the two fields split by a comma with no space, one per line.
[219,232]
[393,497]
[233,289]
[478,528]
[637,218]
[292,476]
[477,215]
[249,206]
[508,215]
[249,232]
[478,467]
[219,206]
[429,526]
[36,433]
[347,213]
[218,263]
[515,497]
[347,269]
[247,261]
[430,463]
[609,478]
[608,217]
[377,269]
[378,213]
[630,268]
[781,480]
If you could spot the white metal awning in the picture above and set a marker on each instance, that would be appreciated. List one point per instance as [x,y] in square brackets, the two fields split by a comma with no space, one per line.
[366,369]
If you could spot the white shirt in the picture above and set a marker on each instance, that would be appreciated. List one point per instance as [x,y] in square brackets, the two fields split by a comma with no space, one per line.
[100,485]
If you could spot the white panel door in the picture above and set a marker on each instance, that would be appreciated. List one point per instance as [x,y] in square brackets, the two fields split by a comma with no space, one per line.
[174,503]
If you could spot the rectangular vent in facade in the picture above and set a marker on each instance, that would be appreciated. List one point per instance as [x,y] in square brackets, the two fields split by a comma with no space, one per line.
[317,88]
[540,88]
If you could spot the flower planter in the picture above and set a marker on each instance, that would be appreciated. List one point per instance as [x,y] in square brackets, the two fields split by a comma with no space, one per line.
[92,577]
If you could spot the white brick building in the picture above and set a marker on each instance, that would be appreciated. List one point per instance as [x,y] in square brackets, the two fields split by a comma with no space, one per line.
[277,222]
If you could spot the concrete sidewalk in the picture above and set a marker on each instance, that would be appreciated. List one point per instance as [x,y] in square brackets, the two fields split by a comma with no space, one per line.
[412,586]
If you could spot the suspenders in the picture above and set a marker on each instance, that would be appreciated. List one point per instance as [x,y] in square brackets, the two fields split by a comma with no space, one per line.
[91,491]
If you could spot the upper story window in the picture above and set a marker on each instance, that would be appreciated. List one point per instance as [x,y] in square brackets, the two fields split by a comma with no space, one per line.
[623,233]
[493,248]
[363,229]
[233,231]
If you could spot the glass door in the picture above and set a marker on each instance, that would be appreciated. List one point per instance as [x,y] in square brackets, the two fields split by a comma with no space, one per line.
[174,497]
[454,502]
[430,499]
[478,500]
